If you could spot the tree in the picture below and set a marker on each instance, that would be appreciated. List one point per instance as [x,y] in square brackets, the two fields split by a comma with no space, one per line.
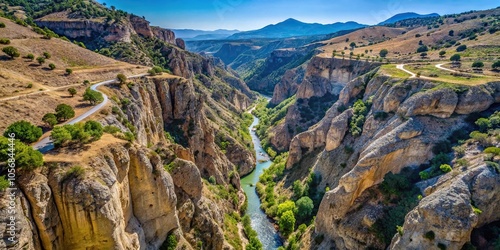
[285,206]
[26,157]
[461,48]
[11,51]
[352,45]
[30,56]
[72,91]
[304,207]
[64,112]
[122,79]
[92,96]
[451,33]
[287,222]
[422,48]
[455,58]
[445,168]
[442,53]
[24,131]
[69,71]
[4,41]
[495,65]
[50,119]
[60,136]
[383,52]
[40,60]
[2,25]
[52,66]
[478,64]
[94,129]
[46,55]
[298,189]
[343,54]
[423,55]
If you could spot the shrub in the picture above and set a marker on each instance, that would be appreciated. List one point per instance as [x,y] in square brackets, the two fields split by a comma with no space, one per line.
[383,52]
[2,25]
[285,206]
[29,86]
[287,222]
[422,48]
[496,65]
[424,175]
[442,53]
[69,71]
[24,131]
[30,56]
[52,66]
[461,48]
[46,55]
[455,58]
[122,79]
[445,168]
[430,235]
[212,180]
[64,112]
[75,172]
[72,91]
[4,41]
[11,51]
[4,183]
[129,136]
[478,64]
[492,150]
[50,119]
[170,243]
[78,133]
[40,60]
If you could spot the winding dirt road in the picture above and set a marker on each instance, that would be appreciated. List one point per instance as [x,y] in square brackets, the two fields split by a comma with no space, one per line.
[46,144]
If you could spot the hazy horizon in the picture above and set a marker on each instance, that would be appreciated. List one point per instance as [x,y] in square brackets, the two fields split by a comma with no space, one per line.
[255,14]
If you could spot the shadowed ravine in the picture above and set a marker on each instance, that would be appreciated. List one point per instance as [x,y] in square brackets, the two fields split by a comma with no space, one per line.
[265,229]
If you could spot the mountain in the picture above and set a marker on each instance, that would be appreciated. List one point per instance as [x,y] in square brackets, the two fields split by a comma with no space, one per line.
[407,15]
[190,34]
[292,27]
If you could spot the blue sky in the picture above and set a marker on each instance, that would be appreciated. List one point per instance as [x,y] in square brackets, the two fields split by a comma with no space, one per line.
[255,14]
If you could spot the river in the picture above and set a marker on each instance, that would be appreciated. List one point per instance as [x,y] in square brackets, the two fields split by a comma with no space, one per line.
[265,229]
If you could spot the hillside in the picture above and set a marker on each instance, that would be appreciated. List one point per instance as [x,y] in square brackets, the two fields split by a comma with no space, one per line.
[23,76]
[292,28]
[477,30]
[404,16]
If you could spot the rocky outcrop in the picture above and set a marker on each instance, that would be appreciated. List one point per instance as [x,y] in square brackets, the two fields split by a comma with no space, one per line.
[447,210]
[288,85]
[98,31]
[405,119]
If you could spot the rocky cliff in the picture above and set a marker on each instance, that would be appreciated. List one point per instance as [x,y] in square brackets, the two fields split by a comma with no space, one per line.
[401,121]
[98,31]
[323,80]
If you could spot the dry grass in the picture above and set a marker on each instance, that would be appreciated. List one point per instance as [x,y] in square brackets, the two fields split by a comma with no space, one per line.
[404,46]
[17,74]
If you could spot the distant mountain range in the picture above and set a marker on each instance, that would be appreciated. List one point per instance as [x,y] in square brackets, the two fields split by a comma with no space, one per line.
[288,28]
[194,35]
[292,27]
[407,15]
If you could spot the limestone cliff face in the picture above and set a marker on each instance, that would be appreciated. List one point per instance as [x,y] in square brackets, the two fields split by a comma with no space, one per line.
[288,85]
[323,82]
[99,31]
[412,116]
[123,199]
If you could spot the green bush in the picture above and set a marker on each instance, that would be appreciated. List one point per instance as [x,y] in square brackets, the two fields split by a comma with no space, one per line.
[461,48]
[69,71]
[212,180]
[492,150]
[46,55]
[80,133]
[30,56]
[40,60]
[445,168]
[72,91]
[430,235]
[383,52]
[110,129]
[4,183]
[285,206]
[287,222]
[4,41]
[24,131]
[477,64]
[75,172]
[455,58]
[170,243]
[52,66]
[11,51]
[2,25]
